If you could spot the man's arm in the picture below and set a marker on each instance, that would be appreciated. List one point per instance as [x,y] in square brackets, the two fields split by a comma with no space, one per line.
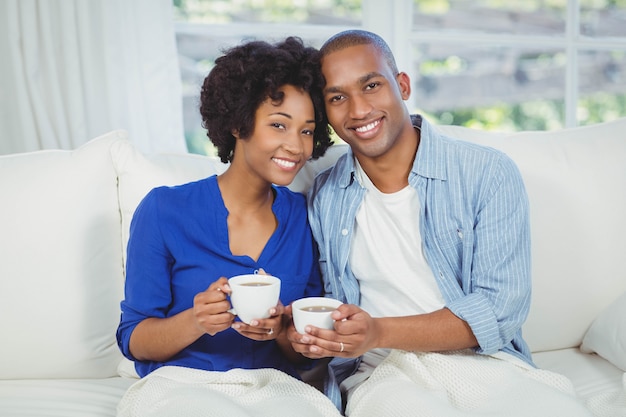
[356,332]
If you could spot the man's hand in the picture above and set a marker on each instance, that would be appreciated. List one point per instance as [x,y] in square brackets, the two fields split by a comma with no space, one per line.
[355,332]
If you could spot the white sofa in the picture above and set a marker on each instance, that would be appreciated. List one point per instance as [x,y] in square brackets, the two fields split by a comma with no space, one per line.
[64,222]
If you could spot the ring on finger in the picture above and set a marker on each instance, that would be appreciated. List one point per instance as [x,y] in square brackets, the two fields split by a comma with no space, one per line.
[270,331]
[342,346]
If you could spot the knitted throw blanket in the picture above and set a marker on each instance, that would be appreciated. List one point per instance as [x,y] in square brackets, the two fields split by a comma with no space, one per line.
[177,391]
[465,384]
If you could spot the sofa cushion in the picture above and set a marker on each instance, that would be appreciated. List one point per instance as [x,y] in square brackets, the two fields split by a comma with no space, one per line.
[576,182]
[139,173]
[591,375]
[607,334]
[62,398]
[61,272]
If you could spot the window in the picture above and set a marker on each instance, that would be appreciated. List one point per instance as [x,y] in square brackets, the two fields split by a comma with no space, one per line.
[494,64]
[520,64]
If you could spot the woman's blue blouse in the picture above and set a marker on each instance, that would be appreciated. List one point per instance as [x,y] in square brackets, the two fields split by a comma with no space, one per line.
[179,245]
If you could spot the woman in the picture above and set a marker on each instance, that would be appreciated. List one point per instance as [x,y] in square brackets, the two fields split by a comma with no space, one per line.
[263,110]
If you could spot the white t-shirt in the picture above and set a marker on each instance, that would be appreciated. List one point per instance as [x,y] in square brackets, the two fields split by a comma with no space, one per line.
[388,261]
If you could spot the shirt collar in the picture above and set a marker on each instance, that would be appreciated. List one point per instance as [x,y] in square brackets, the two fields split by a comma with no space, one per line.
[431,153]
[347,169]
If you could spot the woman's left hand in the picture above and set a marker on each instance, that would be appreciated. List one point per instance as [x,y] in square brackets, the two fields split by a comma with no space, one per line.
[263,329]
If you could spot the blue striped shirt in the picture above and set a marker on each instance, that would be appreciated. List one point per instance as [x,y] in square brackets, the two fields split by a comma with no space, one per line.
[475,227]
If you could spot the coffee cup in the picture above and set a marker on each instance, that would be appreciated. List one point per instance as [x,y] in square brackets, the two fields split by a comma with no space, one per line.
[253,295]
[314,311]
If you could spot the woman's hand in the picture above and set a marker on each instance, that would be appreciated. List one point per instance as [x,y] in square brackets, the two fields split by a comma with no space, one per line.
[211,308]
[263,329]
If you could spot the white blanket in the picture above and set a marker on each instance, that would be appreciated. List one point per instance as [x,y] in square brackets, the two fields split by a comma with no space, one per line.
[463,384]
[176,391]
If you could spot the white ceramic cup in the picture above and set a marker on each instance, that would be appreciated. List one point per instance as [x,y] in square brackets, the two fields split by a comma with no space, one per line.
[314,311]
[253,295]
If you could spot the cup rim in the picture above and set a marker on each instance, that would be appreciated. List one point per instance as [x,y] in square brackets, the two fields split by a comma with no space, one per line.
[326,301]
[236,279]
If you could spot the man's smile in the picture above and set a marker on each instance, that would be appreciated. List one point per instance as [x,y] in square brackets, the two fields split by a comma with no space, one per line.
[368,129]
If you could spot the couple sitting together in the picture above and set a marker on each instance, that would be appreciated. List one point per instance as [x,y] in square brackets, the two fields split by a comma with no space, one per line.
[423,238]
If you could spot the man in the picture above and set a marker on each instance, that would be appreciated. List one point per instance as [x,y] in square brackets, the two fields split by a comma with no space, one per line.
[427,242]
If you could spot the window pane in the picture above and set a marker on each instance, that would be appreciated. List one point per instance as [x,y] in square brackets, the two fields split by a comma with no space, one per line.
[603,17]
[529,17]
[321,12]
[602,77]
[505,88]
[196,54]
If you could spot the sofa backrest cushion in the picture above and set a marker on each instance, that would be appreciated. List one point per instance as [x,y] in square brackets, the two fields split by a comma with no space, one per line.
[139,173]
[60,270]
[576,183]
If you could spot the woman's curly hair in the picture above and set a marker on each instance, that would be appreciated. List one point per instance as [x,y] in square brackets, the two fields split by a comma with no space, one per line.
[245,76]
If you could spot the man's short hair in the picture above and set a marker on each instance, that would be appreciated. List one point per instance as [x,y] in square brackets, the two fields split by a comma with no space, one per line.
[354,37]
